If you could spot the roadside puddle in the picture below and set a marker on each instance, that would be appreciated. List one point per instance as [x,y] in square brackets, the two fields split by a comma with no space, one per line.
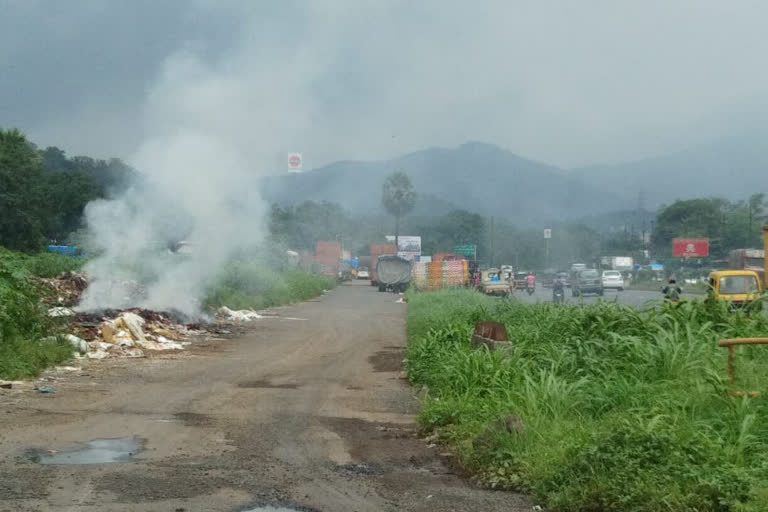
[97,451]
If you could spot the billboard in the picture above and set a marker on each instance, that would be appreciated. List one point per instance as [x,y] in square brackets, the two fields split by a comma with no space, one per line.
[408,246]
[690,247]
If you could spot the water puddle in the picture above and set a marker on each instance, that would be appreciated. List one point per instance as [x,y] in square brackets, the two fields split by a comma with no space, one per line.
[98,451]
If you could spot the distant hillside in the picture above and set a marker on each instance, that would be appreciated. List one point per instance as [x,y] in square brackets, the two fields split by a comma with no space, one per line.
[733,168]
[479,177]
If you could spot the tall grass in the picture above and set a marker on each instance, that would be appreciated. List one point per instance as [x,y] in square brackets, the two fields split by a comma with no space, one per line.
[622,410]
[23,324]
[252,284]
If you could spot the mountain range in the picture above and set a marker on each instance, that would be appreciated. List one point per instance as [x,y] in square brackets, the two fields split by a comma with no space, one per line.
[492,181]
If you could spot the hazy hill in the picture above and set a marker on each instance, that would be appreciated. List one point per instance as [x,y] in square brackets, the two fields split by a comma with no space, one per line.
[733,168]
[479,177]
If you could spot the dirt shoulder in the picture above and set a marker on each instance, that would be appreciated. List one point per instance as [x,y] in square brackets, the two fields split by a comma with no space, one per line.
[308,411]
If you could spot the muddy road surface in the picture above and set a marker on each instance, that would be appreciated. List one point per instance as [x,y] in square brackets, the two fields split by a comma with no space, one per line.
[309,412]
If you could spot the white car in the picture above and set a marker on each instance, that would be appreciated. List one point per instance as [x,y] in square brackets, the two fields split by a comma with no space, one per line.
[362,273]
[613,280]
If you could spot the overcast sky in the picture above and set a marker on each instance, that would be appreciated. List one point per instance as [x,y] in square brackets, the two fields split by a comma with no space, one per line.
[569,83]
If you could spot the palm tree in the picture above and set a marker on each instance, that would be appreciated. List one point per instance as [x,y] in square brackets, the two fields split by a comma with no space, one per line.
[398,198]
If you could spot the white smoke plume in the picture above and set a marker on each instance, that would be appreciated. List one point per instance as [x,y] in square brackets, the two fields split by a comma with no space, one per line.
[211,131]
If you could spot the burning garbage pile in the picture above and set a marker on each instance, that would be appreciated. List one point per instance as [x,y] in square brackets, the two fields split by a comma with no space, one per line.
[129,332]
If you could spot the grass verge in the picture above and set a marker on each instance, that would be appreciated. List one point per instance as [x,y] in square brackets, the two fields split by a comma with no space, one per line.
[597,408]
[251,284]
[23,323]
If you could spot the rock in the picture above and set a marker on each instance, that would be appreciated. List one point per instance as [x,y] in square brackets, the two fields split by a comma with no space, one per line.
[479,342]
[511,423]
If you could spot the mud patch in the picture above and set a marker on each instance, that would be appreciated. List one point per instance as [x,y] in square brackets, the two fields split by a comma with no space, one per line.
[387,361]
[193,419]
[97,451]
[160,484]
[262,383]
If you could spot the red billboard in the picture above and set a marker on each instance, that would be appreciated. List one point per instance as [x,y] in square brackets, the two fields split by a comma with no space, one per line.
[690,247]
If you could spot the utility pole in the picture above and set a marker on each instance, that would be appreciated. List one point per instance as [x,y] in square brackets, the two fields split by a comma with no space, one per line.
[490,255]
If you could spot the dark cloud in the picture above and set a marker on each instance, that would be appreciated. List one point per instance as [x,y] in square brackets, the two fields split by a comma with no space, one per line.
[570,83]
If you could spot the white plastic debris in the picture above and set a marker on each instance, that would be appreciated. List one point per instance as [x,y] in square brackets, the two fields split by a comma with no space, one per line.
[60,311]
[240,315]
[78,344]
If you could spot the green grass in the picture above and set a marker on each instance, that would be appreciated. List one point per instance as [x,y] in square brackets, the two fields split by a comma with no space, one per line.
[623,410]
[251,284]
[23,322]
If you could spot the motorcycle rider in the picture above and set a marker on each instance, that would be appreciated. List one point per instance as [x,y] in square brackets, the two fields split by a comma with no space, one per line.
[530,280]
[558,287]
[672,291]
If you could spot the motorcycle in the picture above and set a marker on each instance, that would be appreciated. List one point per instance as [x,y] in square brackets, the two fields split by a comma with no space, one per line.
[531,288]
[558,296]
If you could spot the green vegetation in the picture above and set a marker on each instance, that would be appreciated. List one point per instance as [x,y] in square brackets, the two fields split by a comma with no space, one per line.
[23,322]
[597,408]
[44,193]
[252,284]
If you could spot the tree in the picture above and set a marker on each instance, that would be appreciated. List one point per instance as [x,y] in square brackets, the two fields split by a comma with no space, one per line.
[398,198]
[21,198]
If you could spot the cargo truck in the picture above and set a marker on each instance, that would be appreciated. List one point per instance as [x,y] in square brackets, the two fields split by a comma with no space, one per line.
[376,251]
[748,259]
[393,273]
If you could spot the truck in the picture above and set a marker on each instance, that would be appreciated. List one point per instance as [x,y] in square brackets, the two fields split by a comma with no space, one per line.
[328,256]
[393,273]
[748,259]
[376,251]
[622,263]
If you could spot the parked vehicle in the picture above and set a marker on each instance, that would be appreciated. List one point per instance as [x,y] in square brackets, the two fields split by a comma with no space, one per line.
[492,282]
[587,281]
[376,251]
[739,287]
[362,273]
[612,280]
[393,273]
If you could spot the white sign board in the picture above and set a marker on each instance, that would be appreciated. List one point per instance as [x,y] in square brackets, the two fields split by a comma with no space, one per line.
[547,233]
[407,246]
[295,162]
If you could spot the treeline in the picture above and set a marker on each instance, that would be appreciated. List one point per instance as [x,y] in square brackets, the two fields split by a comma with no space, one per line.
[43,192]
[727,224]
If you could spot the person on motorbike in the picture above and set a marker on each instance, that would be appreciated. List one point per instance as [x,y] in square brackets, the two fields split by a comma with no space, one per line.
[672,291]
[530,280]
[558,289]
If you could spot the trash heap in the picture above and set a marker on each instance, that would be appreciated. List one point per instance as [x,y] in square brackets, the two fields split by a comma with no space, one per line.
[64,290]
[130,332]
[133,332]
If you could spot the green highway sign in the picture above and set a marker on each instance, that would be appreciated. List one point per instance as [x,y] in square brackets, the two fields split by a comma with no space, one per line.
[464,250]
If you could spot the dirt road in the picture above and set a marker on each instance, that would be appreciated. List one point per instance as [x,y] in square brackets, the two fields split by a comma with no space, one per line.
[308,412]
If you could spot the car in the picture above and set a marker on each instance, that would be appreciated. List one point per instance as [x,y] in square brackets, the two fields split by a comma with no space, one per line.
[587,281]
[613,280]
[362,273]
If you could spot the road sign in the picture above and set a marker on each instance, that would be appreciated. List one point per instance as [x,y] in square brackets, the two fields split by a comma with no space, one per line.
[690,247]
[465,250]
[547,233]
[295,161]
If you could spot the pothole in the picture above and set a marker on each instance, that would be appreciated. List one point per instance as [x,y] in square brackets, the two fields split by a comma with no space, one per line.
[97,451]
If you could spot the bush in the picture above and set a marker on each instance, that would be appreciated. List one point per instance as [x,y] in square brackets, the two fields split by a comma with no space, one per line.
[620,410]
[253,285]
[22,325]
